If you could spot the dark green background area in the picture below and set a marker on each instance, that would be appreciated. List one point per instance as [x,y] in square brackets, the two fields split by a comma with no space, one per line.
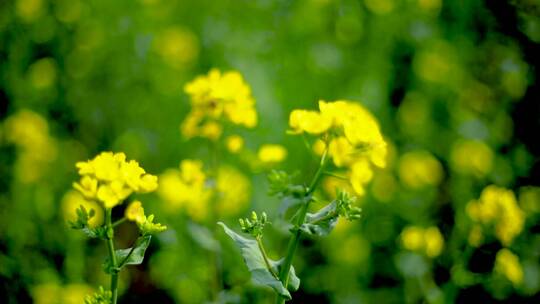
[473,66]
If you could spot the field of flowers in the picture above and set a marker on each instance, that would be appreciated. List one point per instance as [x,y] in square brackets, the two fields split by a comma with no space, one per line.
[311,151]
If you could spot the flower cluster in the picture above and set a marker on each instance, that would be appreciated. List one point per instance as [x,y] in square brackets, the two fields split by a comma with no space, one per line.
[429,240]
[217,98]
[507,264]
[350,134]
[498,207]
[110,179]
[192,190]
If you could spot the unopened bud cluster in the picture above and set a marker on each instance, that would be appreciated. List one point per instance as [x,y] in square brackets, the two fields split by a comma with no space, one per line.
[254,225]
[346,206]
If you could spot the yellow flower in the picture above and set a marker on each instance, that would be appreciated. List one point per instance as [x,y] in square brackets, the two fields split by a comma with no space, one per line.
[186,188]
[498,207]
[111,179]
[342,151]
[471,157]
[135,212]
[412,238]
[418,169]
[272,153]
[429,241]
[233,191]
[310,122]
[216,97]
[29,132]
[234,143]
[352,134]
[360,175]
[507,264]
[87,187]
[434,242]
[178,47]
[75,293]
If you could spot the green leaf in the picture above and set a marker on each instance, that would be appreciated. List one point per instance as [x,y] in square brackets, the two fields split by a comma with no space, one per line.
[129,256]
[202,236]
[323,221]
[256,265]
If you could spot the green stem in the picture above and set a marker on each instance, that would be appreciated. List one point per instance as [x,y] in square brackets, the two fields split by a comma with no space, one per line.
[295,239]
[265,257]
[112,255]
[120,221]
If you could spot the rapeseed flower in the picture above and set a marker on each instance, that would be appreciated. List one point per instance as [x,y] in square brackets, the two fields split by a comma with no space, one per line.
[272,153]
[419,169]
[472,157]
[427,240]
[217,98]
[185,188]
[110,179]
[351,135]
[507,264]
[498,207]
[234,143]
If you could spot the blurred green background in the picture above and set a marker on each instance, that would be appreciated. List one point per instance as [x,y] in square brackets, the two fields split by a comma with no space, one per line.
[453,84]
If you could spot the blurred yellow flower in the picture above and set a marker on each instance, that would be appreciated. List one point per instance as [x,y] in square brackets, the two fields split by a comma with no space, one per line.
[360,175]
[42,73]
[471,157]
[72,200]
[270,153]
[498,207]
[342,151]
[75,293]
[186,189]
[29,132]
[331,184]
[29,10]
[178,47]
[234,143]
[429,240]
[111,179]
[216,98]
[476,237]
[51,293]
[233,191]
[507,264]
[412,238]
[434,242]
[135,212]
[418,169]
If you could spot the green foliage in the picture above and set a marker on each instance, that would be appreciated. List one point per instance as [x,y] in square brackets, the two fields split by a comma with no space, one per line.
[255,261]
[128,256]
[81,223]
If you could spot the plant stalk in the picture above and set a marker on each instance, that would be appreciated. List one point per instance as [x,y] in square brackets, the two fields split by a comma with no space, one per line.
[112,255]
[295,239]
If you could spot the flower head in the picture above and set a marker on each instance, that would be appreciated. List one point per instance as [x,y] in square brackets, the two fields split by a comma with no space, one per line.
[349,132]
[498,207]
[272,153]
[110,179]
[216,98]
